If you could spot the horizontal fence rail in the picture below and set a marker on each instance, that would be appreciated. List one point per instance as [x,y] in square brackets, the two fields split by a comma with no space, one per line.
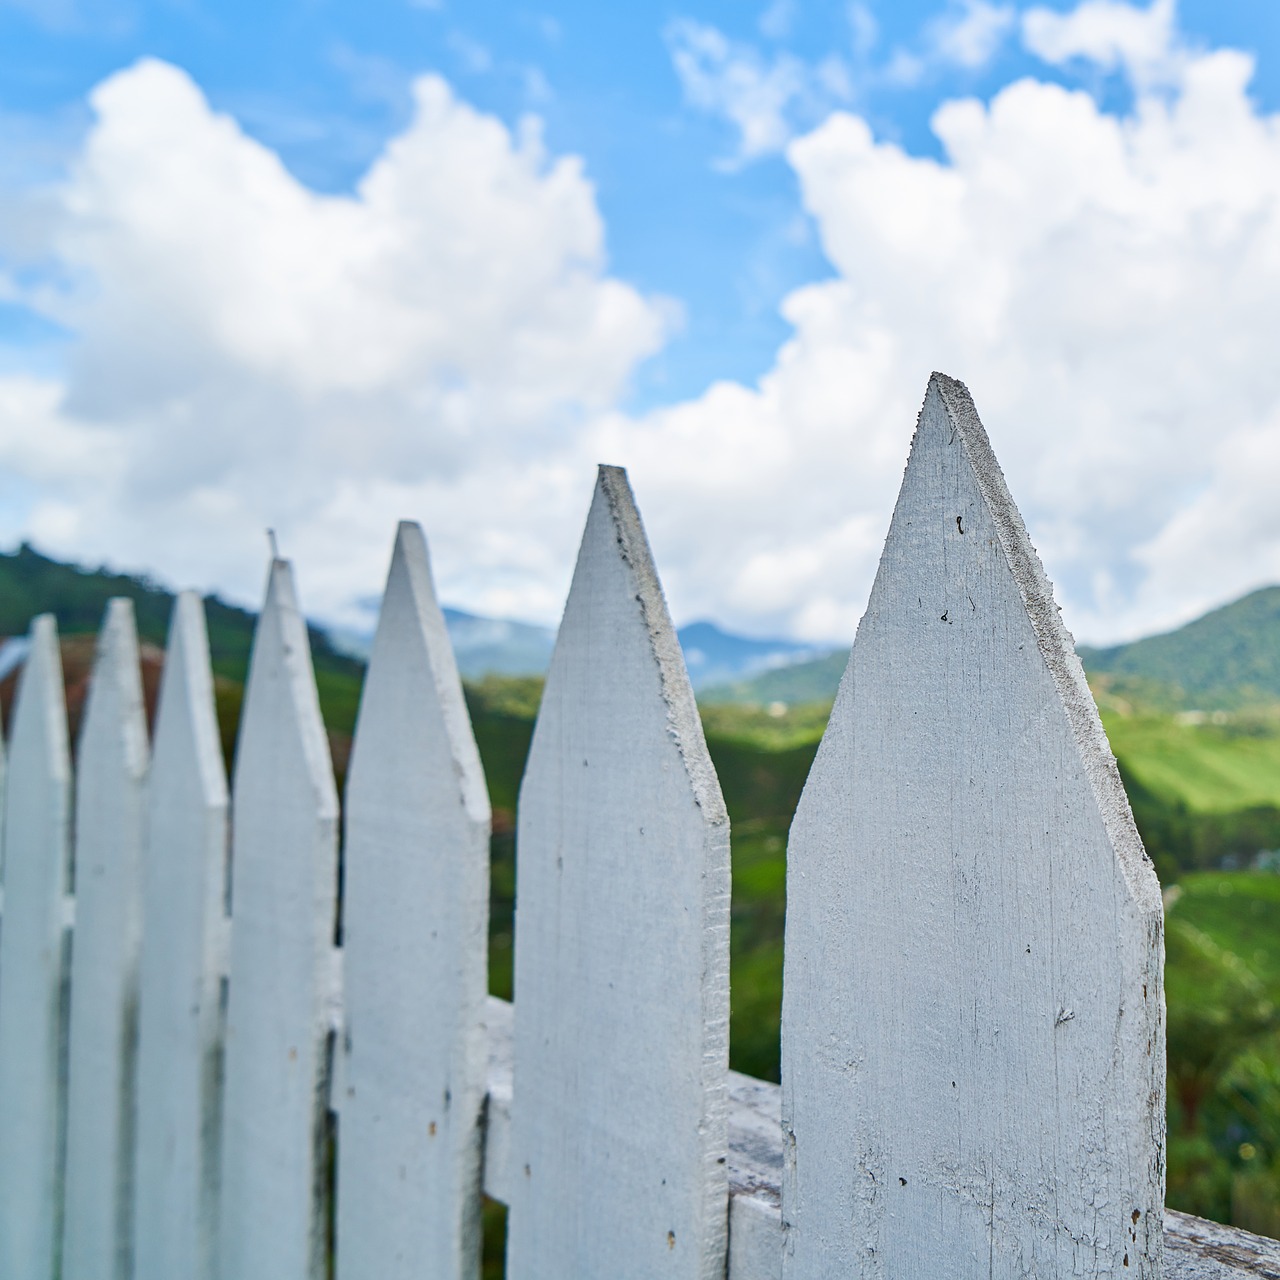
[246,1036]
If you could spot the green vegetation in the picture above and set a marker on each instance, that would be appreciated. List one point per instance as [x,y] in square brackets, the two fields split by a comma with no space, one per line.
[31,584]
[1228,659]
[1222,984]
[813,682]
[1210,767]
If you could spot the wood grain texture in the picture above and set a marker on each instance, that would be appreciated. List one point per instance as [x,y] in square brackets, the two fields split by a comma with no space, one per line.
[34,965]
[184,924]
[621,946]
[415,952]
[111,777]
[973,1039]
[283,901]
[1194,1249]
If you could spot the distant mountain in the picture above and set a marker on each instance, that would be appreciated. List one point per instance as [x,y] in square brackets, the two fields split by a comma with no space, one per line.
[482,646]
[502,646]
[715,656]
[1226,659]
[498,646]
[31,583]
[812,681]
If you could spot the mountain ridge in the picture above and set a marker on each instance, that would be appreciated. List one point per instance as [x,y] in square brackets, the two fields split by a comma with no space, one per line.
[1226,659]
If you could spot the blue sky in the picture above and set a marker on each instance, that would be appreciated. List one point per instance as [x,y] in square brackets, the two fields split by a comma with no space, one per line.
[685,119]
[326,84]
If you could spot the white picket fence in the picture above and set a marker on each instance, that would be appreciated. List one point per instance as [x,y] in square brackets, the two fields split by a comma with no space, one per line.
[196,1082]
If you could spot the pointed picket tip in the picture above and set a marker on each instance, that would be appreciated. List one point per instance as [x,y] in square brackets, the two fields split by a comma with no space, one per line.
[972,1038]
[186,716]
[624,528]
[415,957]
[411,624]
[39,725]
[184,905]
[111,770]
[115,723]
[280,668]
[32,962]
[949,404]
[621,944]
[273,1185]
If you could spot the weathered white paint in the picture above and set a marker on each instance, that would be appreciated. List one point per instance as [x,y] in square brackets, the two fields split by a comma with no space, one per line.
[33,965]
[415,941]
[973,1041]
[622,946]
[111,774]
[184,917]
[1194,1249]
[4,768]
[283,895]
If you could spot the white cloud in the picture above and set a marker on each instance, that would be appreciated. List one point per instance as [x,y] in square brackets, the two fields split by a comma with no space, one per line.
[863,27]
[1110,290]
[766,99]
[474,57]
[1115,36]
[250,353]
[970,32]
[775,22]
[447,344]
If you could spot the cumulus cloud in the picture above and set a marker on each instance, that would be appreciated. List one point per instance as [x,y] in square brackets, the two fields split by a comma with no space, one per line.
[1112,35]
[970,33]
[254,353]
[1107,286]
[766,99]
[446,343]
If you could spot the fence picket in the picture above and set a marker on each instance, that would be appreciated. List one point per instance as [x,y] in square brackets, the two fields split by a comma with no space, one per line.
[111,774]
[973,1045]
[34,964]
[415,918]
[275,1156]
[619,1114]
[184,919]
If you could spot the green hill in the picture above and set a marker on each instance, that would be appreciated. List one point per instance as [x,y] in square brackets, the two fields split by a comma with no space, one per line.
[813,681]
[1225,660]
[31,583]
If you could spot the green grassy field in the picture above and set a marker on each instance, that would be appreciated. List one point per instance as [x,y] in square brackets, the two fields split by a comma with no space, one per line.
[1211,768]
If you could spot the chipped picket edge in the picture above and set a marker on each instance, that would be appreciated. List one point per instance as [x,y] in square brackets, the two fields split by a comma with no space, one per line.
[682,712]
[1056,644]
[1194,1248]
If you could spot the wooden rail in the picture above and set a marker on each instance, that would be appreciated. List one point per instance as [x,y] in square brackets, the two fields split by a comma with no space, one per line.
[1194,1249]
